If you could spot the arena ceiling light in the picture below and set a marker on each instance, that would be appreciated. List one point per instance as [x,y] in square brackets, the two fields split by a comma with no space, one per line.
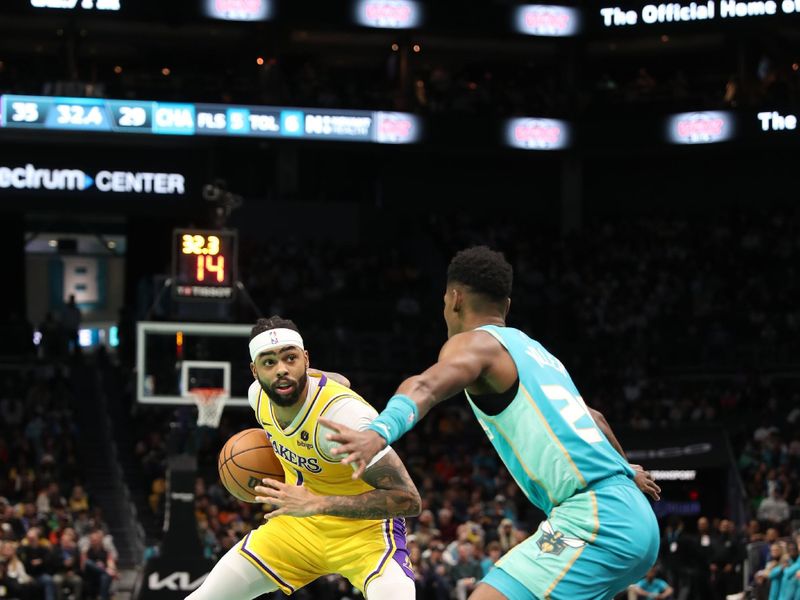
[238,10]
[537,134]
[547,20]
[388,14]
[701,127]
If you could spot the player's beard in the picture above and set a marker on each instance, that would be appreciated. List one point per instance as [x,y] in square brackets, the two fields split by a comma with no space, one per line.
[280,399]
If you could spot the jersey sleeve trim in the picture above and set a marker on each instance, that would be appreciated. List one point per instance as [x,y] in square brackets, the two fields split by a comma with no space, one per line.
[320,451]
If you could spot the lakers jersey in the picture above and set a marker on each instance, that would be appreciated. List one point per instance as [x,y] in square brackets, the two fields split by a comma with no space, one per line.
[294,551]
[546,436]
[301,446]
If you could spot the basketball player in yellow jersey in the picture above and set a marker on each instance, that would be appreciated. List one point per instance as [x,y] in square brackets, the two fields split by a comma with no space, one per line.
[322,521]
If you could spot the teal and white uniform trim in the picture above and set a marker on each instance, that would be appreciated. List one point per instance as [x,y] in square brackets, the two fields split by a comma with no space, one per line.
[601,534]
[546,436]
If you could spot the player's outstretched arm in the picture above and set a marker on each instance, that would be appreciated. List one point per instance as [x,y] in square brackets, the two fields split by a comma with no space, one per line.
[395,495]
[462,360]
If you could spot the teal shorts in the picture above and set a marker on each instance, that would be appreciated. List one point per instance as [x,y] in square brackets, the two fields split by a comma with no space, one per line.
[592,546]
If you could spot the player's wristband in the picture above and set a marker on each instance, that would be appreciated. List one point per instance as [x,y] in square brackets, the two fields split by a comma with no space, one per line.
[396,419]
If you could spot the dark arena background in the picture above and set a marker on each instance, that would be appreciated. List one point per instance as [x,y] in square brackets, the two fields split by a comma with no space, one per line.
[170,171]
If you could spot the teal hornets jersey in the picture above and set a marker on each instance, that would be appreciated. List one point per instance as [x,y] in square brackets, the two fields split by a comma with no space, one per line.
[546,437]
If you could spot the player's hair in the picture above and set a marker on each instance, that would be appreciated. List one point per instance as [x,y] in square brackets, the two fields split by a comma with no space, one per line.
[274,322]
[484,271]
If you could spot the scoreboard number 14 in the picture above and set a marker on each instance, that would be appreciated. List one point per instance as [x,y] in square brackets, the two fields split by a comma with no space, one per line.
[204,264]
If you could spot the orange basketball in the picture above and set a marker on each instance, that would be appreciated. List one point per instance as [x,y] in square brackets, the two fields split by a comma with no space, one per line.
[245,459]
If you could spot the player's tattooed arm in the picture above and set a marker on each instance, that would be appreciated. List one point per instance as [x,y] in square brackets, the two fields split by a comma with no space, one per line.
[395,495]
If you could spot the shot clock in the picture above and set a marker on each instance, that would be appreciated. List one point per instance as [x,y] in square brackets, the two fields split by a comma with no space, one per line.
[203,264]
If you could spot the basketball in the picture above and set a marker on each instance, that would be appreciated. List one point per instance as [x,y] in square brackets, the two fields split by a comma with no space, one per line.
[245,459]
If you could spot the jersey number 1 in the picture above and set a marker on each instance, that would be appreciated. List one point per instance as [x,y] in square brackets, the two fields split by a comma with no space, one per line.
[573,411]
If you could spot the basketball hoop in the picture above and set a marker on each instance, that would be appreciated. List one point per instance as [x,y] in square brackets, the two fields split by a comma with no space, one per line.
[210,403]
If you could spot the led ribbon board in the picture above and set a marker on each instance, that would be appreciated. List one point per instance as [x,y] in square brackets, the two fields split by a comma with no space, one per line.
[104,5]
[777,121]
[689,12]
[171,118]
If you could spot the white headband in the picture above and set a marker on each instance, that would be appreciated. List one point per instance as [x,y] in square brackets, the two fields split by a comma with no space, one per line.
[274,338]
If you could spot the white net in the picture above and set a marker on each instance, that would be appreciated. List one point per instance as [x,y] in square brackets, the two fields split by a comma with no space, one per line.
[210,403]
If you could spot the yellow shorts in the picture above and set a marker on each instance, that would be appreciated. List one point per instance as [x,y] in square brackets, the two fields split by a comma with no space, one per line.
[294,551]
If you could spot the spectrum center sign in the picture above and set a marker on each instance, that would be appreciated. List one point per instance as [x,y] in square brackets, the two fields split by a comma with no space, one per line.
[31,177]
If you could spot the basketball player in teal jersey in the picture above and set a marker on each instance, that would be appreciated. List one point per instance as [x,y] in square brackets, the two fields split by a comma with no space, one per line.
[600,534]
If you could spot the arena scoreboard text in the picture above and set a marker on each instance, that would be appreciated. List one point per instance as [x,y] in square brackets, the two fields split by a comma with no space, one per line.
[191,119]
[203,264]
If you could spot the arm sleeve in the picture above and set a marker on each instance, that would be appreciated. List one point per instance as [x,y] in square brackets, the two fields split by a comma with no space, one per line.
[350,412]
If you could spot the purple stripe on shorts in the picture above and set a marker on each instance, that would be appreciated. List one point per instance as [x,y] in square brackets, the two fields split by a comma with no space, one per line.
[263,565]
[401,555]
[385,555]
[399,532]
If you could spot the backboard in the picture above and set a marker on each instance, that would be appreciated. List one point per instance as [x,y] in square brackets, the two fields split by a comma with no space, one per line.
[173,357]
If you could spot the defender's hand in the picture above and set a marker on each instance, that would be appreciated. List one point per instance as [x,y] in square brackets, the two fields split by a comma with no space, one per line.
[292,500]
[357,447]
[645,482]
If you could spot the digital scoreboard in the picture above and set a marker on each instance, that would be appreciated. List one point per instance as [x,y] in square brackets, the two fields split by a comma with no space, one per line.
[189,119]
[204,264]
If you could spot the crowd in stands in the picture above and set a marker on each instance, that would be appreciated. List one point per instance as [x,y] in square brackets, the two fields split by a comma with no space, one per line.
[431,88]
[618,285]
[685,85]
[662,326]
[481,89]
[502,84]
[53,541]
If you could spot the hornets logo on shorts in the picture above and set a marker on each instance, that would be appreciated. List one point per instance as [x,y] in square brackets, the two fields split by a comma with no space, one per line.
[555,542]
